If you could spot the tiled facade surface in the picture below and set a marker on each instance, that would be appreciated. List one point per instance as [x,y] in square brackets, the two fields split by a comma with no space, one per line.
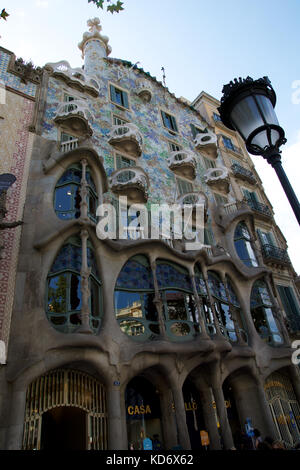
[15,152]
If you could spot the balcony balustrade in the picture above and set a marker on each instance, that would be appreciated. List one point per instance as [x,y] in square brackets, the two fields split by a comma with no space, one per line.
[218,178]
[74,117]
[274,255]
[126,138]
[207,143]
[183,163]
[131,182]
[242,173]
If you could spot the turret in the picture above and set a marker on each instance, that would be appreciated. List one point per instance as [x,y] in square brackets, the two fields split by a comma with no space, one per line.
[94,47]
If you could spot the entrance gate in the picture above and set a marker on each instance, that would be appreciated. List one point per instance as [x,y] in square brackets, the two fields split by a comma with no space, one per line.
[66,388]
[284,408]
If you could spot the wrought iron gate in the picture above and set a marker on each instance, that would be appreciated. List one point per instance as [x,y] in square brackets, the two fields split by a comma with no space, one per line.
[284,408]
[66,387]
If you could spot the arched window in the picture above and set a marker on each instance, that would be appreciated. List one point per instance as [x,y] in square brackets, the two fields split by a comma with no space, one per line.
[180,309]
[262,313]
[226,303]
[67,194]
[242,242]
[134,300]
[64,295]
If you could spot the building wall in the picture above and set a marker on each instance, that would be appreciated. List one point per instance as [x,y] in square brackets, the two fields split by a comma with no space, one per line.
[111,356]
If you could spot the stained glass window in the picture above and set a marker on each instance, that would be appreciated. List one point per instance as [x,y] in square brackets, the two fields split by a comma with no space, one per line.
[169,275]
[136,275]
[243,246]
[134,300]
[226,306]
[67,194]
[262,313]
[64,296]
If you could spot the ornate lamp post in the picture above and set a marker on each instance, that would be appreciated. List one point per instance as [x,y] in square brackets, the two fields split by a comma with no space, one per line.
[247,106]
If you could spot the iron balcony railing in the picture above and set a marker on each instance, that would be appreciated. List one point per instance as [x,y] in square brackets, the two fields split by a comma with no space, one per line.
[259,207]
[271,252]
[243,173]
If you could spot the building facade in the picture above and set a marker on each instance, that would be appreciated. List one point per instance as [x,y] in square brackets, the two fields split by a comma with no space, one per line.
[108,341]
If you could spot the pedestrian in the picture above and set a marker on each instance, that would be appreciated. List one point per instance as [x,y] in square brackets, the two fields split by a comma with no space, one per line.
[257,438]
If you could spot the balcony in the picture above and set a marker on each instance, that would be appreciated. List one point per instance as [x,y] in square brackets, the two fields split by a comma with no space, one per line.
[126,138]
[207,143]
[243,174]
[69,145]
[260,210]
[74,78]
[218,178]
[144,91]
[131,182]
[194,199]
[74,117]
[275,256]
[183,163]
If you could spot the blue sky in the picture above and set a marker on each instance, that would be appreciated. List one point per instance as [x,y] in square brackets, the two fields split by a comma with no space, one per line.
[201,45]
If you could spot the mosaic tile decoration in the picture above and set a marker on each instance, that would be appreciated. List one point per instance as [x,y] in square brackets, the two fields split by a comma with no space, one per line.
[17,158]
[12,80]
[168,276]
[135,276]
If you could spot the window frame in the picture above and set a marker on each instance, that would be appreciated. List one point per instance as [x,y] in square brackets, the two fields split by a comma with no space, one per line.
[174,130]
[124,94]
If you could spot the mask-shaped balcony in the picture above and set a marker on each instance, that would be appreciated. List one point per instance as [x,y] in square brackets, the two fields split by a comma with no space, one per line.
[131,182]
[74,78]
[144,91]
[194,199]
[74,117]
[183,163]
[207,143]
[126,138]
[217,178]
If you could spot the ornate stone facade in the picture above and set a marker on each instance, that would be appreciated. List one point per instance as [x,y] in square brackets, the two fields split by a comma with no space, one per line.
[198,334]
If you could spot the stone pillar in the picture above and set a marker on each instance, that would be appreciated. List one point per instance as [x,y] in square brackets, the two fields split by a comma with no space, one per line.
[210,418]
[202,324]
[14,436]
[251,403]
[168,420]
[85,289]
[117,430]
[182,430]
[84,192]
[211,305]
[240,340]
[223,418]
[158,302]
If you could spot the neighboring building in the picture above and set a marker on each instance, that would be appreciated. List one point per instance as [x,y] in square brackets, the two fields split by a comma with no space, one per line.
[111,341]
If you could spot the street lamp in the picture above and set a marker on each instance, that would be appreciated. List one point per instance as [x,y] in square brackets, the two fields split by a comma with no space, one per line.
[247,106]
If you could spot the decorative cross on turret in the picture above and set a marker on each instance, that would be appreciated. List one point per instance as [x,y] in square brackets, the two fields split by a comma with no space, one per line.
[94,25]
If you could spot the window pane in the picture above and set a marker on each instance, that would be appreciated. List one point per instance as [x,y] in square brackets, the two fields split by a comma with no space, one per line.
[75,293]
[149,307]
[57,294]
[271,320]
[64,198]
[128,304]
[176,305]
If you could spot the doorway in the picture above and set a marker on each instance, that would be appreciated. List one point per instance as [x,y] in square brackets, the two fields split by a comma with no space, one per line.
[64,428]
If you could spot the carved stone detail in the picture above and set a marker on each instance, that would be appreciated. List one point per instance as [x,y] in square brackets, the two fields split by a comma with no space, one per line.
[25,70]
